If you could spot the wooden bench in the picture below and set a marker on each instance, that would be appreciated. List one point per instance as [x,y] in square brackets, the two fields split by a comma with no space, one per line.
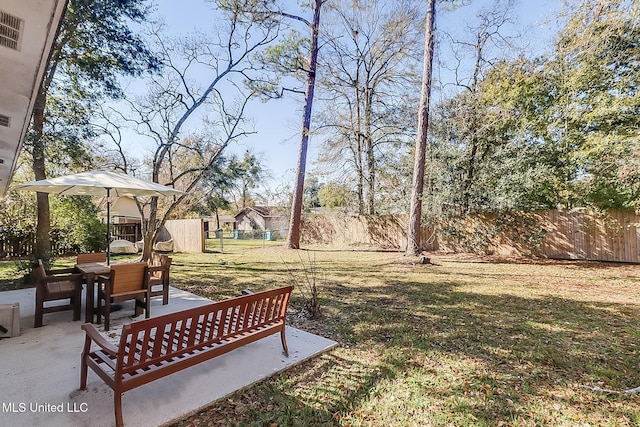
[152,348]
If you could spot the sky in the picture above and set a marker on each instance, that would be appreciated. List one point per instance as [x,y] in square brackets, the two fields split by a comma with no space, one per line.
[278,122]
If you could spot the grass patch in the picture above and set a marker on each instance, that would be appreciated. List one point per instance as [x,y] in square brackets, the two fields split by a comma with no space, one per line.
[463,342]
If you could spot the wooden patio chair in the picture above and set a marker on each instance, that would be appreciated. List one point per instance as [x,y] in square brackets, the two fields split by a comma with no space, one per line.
[53,285]
[127,281]
[159,276]
[91,257]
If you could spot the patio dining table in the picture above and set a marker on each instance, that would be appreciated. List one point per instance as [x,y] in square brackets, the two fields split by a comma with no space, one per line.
[90,270]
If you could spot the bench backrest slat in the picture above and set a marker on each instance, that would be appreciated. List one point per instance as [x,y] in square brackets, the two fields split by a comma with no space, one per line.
[192,332]
[222,320]
[155,340]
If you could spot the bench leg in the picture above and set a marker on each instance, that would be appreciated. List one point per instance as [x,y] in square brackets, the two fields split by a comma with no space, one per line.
[117,406]
[83,363]
[283,338]
[83,373]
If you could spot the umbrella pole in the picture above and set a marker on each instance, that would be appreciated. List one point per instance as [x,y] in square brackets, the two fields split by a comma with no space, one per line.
[108,228]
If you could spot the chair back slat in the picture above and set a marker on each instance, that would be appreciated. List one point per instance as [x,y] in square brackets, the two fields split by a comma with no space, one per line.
[91,257]
[128,277]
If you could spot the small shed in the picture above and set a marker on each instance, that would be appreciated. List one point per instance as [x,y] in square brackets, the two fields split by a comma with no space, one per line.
[261,218]
[125,218]
[224,221]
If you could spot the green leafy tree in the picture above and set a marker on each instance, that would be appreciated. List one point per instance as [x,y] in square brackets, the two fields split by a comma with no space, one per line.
[79,227]
[215,190]
[228,183]
[473,125]
[596,77]
[246,175]
[312,189]
[94,46]
[567,135]
[17,219]
[334,195]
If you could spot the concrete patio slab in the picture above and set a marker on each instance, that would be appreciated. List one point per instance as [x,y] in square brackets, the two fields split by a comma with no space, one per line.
[40,371]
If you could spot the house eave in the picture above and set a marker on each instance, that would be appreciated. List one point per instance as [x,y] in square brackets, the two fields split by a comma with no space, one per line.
[21,70]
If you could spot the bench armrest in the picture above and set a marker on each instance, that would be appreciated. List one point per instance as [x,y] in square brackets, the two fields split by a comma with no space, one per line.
[92,334]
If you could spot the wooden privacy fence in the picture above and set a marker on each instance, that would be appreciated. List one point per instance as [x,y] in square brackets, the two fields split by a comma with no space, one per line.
[187,234]
[588,235]
[578,234]
[23,246]
[383,231]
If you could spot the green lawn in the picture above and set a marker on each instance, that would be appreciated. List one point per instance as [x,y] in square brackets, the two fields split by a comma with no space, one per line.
[463,342]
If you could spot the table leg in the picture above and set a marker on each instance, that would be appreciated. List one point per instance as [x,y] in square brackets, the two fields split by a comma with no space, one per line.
[89,303]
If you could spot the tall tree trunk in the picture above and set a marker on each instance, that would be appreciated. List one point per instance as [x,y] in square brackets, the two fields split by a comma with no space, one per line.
[293,239]
[150,230]
[43,226]
[371,159]
[360,172]
[413,233]
[42,248]
[359,156]
[468,181]
[473,124]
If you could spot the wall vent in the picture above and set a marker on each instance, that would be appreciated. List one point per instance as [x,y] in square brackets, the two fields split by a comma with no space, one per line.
[5,121]
[10,30]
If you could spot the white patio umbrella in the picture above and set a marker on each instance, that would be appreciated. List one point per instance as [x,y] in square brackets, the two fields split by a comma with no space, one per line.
[100,183]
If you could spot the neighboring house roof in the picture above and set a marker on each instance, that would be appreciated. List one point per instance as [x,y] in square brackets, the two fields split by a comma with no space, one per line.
[226,218]
[222,218]
[264,211]
[26,35]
